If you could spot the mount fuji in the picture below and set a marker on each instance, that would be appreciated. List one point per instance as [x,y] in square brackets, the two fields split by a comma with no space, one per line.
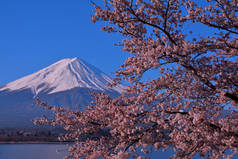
[66,83]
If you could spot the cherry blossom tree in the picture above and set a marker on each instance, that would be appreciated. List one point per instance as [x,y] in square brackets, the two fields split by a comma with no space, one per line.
[190,105]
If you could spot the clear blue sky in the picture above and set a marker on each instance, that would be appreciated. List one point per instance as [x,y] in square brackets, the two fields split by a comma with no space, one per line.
[37,33]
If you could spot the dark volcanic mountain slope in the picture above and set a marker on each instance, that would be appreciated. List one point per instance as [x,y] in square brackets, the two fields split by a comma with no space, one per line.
[18,109]
[66,83]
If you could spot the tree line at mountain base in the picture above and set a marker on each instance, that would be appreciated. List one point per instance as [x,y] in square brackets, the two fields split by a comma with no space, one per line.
[33,135]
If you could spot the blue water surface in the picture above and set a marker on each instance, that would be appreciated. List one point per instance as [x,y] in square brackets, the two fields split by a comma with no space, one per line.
[32,151]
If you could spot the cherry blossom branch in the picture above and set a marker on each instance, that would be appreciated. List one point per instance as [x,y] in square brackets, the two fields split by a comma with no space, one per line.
[141,134]
[232,96]
[219,27]
[166,15]
[184,107]
[153,25]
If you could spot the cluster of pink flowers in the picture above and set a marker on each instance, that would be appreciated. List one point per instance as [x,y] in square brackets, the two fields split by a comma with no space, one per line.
[189,106]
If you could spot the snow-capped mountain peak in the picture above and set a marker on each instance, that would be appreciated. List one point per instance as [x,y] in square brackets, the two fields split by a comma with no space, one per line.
[63,75]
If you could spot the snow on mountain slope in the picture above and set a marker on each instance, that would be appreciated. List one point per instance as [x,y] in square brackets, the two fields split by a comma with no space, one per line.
[63,75]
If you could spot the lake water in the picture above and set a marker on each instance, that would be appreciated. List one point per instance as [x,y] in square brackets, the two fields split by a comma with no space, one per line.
[32,151]
[45,151]
[52,151]
[49,151]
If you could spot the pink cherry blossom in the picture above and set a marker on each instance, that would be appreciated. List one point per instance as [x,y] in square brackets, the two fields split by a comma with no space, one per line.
[184,107]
